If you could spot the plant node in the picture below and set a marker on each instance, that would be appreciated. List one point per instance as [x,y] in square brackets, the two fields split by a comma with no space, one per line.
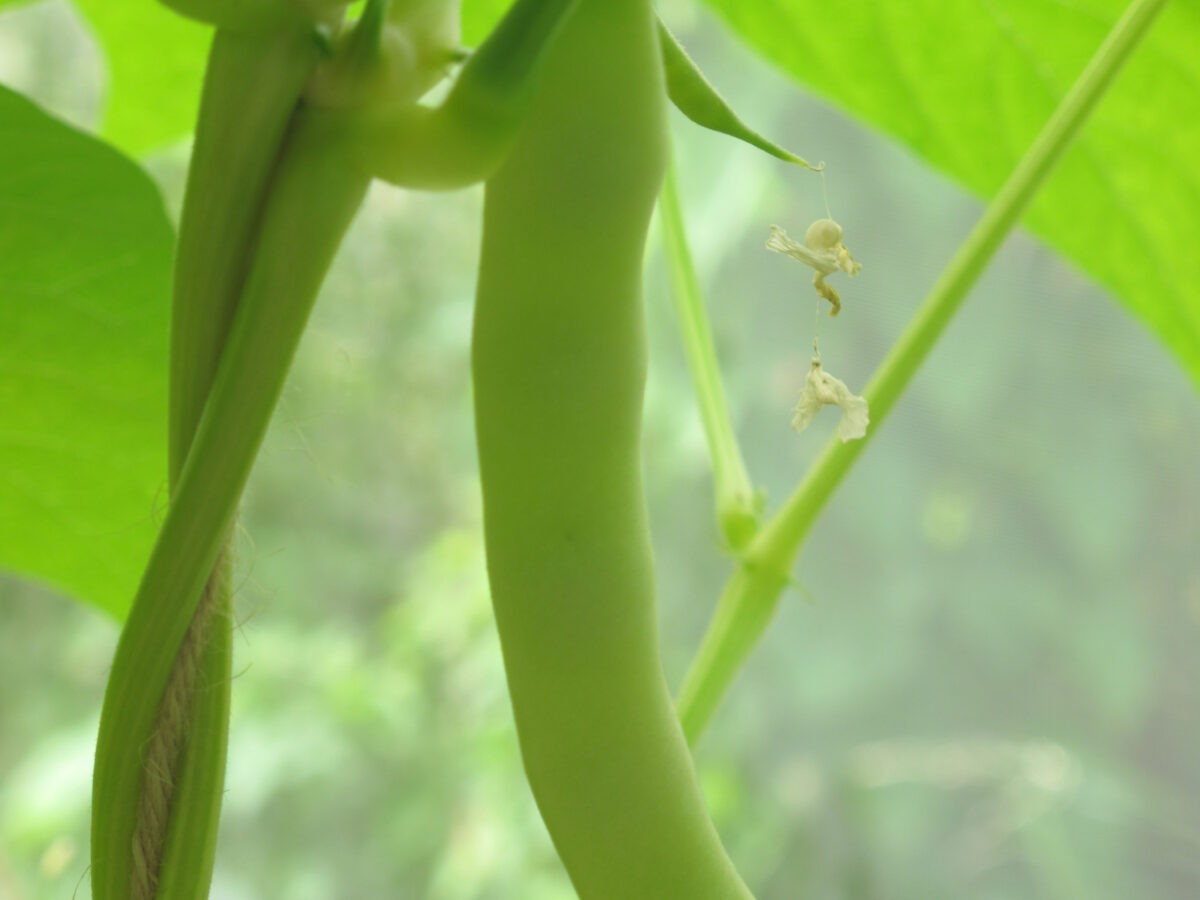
[391,57]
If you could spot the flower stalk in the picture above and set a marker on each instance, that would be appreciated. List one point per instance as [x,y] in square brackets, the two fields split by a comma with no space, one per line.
[738,505]
[750,597]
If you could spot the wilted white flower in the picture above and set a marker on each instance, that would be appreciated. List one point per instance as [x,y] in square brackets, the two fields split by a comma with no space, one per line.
[822,389]
[822,250]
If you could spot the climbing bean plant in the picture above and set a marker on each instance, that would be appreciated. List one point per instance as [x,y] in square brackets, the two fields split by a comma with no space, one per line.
[561,111]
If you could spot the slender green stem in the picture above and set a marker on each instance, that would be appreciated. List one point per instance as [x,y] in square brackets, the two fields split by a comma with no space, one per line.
[737,504]
[751,595]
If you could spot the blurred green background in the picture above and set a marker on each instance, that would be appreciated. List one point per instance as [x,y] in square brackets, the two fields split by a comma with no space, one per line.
[984,686]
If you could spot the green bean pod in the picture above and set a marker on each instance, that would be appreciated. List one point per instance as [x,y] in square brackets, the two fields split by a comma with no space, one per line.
[559,369]
[312,197]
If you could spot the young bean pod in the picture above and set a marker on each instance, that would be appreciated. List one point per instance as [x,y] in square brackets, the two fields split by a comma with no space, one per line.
[559,367]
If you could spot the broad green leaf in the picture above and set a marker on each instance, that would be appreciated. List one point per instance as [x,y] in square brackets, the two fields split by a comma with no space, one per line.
[968,83]
[156,66]
[85,276]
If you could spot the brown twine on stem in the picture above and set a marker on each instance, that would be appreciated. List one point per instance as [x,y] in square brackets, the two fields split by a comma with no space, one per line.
[165,749]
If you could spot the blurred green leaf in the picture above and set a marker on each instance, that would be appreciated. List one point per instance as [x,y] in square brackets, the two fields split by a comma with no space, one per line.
[156,64]
[85,276]
[478,18]
[967,85]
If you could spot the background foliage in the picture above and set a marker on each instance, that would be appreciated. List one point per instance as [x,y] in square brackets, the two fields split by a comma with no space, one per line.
[86,241]
[991,690]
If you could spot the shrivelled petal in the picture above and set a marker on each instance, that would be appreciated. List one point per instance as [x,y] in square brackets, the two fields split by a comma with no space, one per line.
[822,250]
[825,261]
[822,389]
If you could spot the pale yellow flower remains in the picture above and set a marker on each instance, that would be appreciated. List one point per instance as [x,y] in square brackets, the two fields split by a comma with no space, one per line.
[822,389]
[823,250]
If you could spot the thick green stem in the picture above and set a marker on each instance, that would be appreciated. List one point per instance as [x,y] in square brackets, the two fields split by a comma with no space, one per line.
[746,605]
[313,196]
[252,84]
[559,367]
[737,505]
[251,89]
[197,773]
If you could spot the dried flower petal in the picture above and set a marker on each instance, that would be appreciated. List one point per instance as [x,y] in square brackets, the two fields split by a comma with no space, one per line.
[822,389]
[823,250]
[823,260]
